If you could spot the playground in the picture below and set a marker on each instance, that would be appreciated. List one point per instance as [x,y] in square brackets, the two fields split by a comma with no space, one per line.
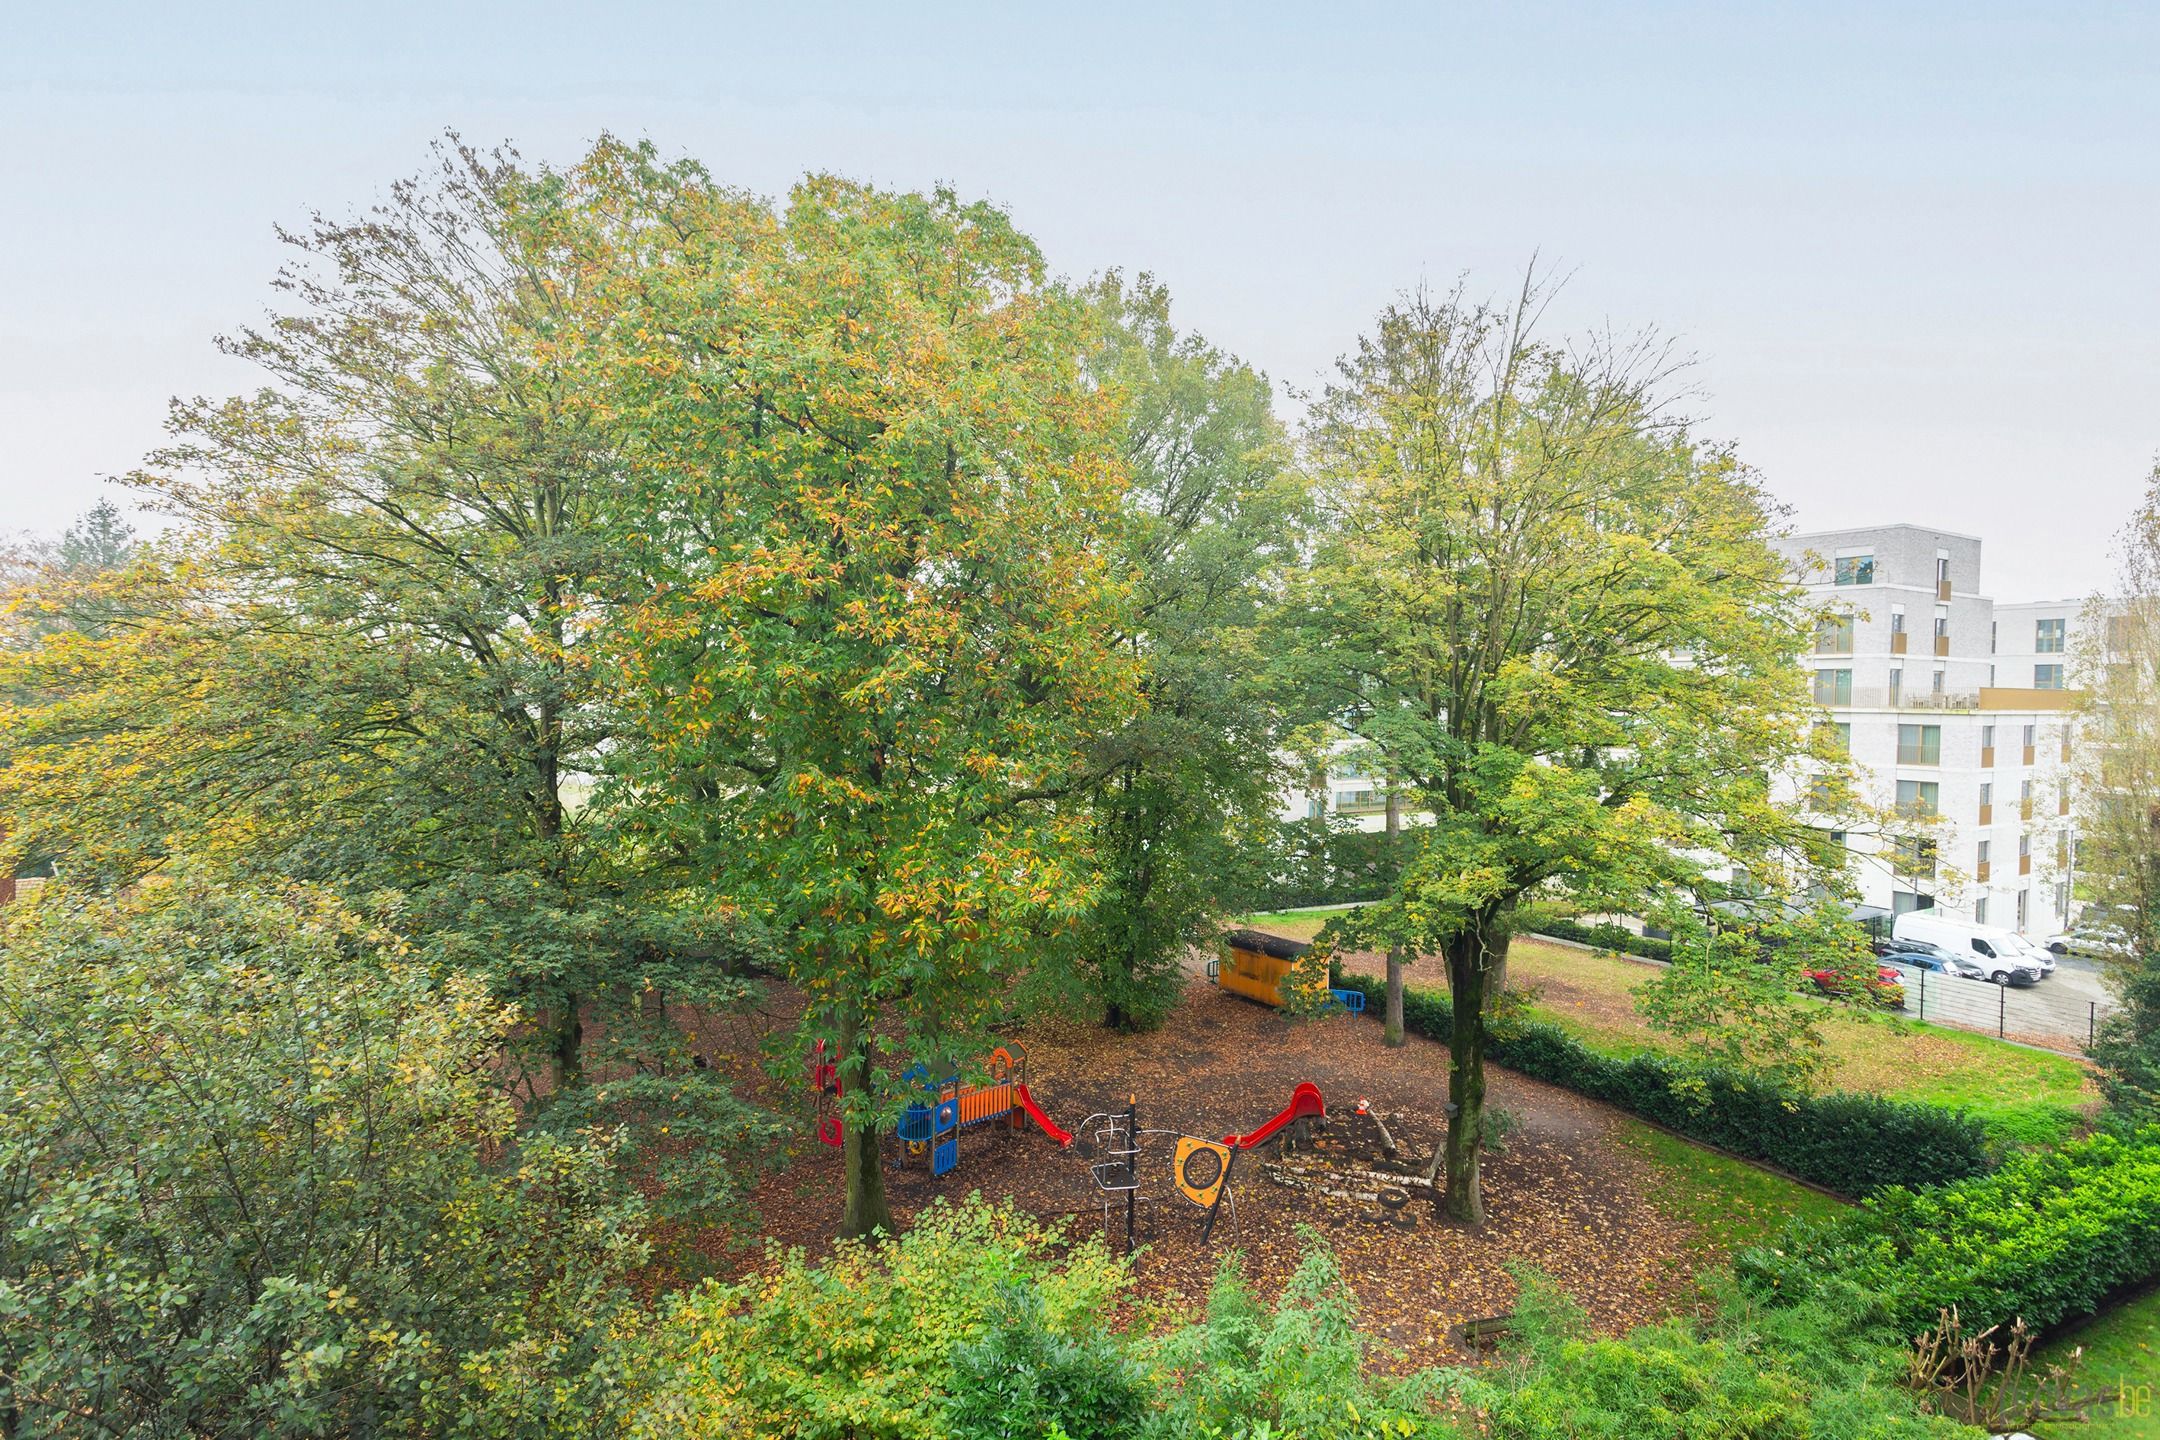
[1576,1189]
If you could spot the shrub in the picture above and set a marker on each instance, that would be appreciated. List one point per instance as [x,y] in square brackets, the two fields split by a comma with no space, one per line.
[1804,1374]
[1852,1144]
[1298,1370]
[2044,1238]
[1606,936]
[864,1346]
[245,1184]
[1025,1380]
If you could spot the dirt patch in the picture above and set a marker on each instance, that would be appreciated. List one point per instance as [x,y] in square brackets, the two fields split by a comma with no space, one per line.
[1565,1195]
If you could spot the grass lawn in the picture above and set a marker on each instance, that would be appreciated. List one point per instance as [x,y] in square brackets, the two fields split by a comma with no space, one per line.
[2027,1096]
[2122,1354]
[1731,1203]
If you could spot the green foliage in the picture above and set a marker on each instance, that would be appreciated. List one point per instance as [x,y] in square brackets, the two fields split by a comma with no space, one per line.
[867,1345]
[1808,1373]
[1317,861]
[256,1176]
[1853,1144]
[1246,1372]
[2045,1237]
[1189,784]
[1605,934]
[1025,1380]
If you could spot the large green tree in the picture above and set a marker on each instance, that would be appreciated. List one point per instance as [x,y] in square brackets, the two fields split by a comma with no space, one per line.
[1555,617]
[872,638]
[1184,806]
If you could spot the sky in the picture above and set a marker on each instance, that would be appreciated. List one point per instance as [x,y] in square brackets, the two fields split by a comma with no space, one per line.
[1913,248]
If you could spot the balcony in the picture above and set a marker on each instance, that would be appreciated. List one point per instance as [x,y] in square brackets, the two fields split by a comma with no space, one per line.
[1898,640]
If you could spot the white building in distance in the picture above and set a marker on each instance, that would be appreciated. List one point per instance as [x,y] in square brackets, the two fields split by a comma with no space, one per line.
[1952,708]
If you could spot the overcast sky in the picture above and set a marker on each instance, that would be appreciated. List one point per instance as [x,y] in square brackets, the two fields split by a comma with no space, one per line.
[1916,248]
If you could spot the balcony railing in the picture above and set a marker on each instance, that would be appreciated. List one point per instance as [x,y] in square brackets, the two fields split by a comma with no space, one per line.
[2024,864]
[1980,872]
[1898,641]
[1942,590]
[1942,645]
[2029,755]
[1987,814]
[1987,757]
[1987,698]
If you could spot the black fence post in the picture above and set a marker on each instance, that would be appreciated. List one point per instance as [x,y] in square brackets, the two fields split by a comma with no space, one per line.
[2092,1022]
[2002,1010]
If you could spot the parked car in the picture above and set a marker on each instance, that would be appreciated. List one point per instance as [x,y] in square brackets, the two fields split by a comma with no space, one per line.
[1886,989]
[2035,952]
[2106,942]
[1921,955]
[2001,955]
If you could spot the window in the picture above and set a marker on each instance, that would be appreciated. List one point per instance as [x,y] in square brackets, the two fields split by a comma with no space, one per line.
[1942,624]
[2031,732]
[1919,744]
[1833,687]
[1987,737]
[1983,852]
[1834,635]
[1980,911]
[1897,619]
[1987,794]
[1936,684]
[1904,902]
[1993,626]
[1897,687]
[2024,847]
[1834,736]
[1917,797]
[1942,570]
[2047,677]
[1913,857]
[2048,637]
[2025,792]
[1855,570]
[1839,838]
[2023,896]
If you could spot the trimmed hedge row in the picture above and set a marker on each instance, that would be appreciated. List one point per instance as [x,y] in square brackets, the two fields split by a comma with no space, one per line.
[1852,1144]
[1606,936]
[2048,1236]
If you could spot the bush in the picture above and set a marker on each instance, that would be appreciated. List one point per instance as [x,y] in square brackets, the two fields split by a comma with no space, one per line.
[1025,1380]
[1852,1144]
[246,1184]
[865,1346]
[1733,1375]
[1606,936]
[1296,1371]
[2046,1237]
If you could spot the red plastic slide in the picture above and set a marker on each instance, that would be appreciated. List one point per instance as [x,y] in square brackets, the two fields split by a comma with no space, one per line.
[1049,1126]
[1305,1102]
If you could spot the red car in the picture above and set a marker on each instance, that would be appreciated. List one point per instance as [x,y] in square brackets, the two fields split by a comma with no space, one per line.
[1887,988]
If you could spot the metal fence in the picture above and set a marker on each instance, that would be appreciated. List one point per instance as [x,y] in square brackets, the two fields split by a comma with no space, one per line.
[2038,1015]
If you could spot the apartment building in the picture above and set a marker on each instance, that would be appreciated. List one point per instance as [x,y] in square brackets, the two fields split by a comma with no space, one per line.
[1954,711]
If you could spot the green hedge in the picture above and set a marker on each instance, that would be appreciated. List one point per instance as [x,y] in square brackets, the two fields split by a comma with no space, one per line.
[2048,1236]
[1606,936]
[1852,1144]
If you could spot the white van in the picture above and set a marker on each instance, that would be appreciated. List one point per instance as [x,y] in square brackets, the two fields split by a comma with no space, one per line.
[2001,954]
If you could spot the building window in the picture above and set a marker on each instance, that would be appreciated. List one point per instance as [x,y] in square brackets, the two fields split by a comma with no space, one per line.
[1897,620]
[2024,847]
[1834,635]
[2032,733]
[1987,794]
[1913,857]
[1980,911]
[1987,737]
[1839,838]
[1855,570]
[2022,896]
[2048,636]
[1897,687]
[2025,792]
[2047,677]
[1917,797]
[1942,570]
[1983,852]
[1942,624]
[1834,737]
[1919,744]
[1904,902]
[1833,687]
[1936,684]
[1993,626]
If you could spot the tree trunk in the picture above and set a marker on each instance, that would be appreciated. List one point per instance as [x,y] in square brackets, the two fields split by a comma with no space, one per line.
[1496,968]
[1391,1032]
[566,1043]
[866,1212]
[1468,955]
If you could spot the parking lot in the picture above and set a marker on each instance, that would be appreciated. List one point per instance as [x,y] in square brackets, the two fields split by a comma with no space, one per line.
[2060,1012]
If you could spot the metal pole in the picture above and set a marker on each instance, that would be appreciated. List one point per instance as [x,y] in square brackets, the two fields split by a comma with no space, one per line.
[1132,1165]
[1923,994]
[2002,1009]
[2092,1022]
